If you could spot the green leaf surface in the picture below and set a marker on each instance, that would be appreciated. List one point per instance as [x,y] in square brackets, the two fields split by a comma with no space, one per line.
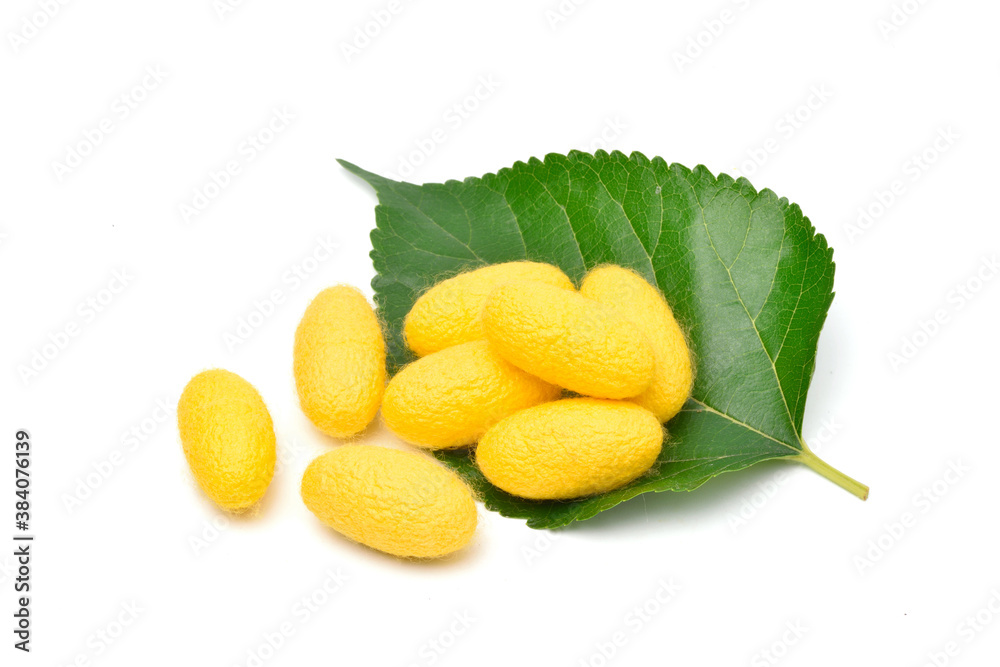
[744,271]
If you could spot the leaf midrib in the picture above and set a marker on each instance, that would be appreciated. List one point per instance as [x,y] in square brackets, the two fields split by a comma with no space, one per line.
[736,421]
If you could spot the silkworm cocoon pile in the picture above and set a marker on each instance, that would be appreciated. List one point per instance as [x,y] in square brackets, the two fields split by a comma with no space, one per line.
[398,502]
[339,362]
[448,313]
[644,305]
[568,340]
[228,438]
[570,448]
[449,398]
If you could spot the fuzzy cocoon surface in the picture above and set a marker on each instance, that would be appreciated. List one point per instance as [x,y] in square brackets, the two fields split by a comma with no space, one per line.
[449,313]
[400,503]
[228,438]
[339,362]
[570,448]
[637,300]
[568,340]
[449,398]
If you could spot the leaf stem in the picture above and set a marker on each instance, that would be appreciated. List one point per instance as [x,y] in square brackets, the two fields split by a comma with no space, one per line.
[826,470]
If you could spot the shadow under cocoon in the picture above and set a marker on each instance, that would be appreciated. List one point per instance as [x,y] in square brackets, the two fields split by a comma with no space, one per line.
[339,544]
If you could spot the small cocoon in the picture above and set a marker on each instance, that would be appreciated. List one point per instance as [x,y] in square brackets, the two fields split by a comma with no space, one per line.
[339,362]
[449,398]
[571,448]
[449,313]
[228,438]
[643,304]
[397,502]
[568,340]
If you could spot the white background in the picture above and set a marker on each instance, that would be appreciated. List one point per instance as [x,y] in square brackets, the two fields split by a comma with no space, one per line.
[753,553]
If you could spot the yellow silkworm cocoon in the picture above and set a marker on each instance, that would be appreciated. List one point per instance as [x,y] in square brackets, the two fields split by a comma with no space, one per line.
[339,362]
[397,502]
[571,448]
[568,340]
[228,438]
[643,304]
[449,398]
[449,313]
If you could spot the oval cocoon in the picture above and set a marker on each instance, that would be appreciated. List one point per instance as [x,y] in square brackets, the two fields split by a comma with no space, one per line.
[568,340]
[449,313]
[339,362]
[398,502]
[228,438]
[643,304]
[449,398]
[570,448]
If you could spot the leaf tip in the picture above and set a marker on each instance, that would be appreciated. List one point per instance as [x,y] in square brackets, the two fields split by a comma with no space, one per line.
[365,175]
[349,166]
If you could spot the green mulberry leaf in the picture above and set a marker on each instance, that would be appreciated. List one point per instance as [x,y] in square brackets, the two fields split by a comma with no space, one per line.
[744,271]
